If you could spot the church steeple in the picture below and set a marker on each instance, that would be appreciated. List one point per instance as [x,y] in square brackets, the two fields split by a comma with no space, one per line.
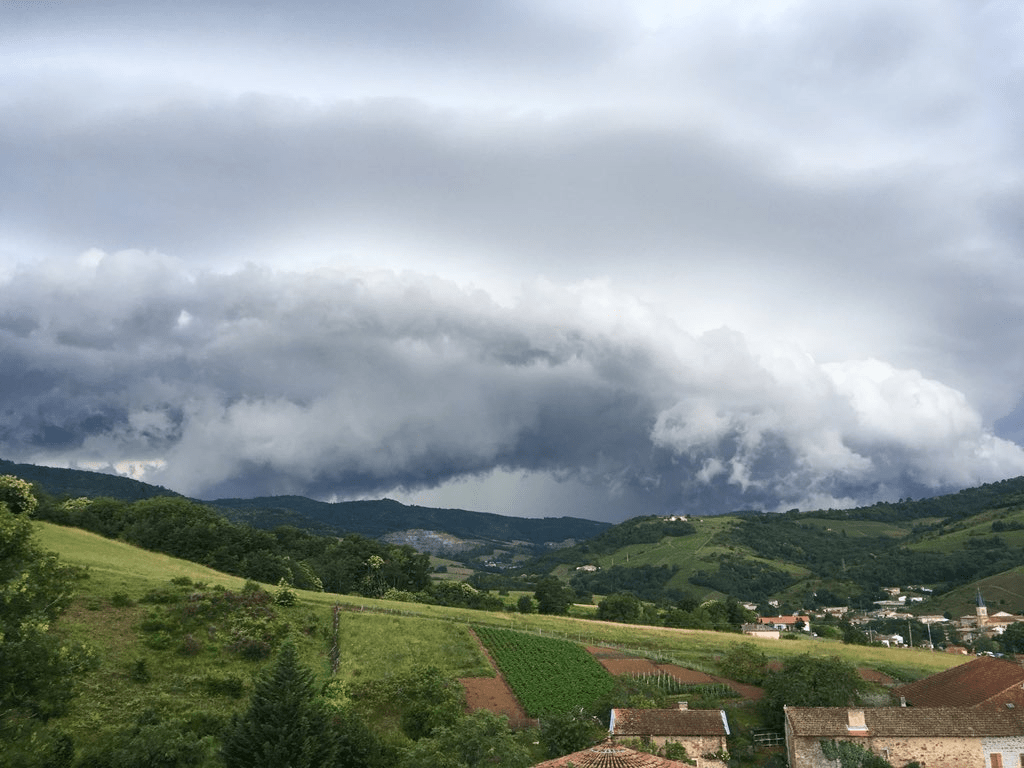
[981,610]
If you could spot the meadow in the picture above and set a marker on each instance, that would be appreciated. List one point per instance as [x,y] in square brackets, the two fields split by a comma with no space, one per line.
[115,566]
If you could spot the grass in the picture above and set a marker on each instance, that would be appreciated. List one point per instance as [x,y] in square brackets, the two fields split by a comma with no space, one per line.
[377,638]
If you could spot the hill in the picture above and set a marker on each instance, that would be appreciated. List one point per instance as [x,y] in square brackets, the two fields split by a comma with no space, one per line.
[375,519]
[949,545]
[386,516]
[151,665]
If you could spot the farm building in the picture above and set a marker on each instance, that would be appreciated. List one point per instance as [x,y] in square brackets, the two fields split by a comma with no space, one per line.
[701,731]
[945,737]
[761,630]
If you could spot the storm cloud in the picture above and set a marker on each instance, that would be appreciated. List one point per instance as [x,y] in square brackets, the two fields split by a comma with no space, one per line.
[541,258]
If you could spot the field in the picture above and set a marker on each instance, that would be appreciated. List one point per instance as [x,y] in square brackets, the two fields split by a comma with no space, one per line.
[549,676]
[137,670]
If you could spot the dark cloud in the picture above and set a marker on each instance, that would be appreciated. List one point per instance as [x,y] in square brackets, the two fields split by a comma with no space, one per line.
[608,256]
[342,385]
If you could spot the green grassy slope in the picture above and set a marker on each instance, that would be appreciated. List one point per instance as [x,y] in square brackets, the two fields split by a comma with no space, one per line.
[849,553]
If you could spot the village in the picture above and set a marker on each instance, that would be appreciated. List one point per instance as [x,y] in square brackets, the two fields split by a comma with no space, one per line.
[969,716]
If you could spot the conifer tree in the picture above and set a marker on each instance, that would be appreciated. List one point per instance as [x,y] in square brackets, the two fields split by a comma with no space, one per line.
[285,726]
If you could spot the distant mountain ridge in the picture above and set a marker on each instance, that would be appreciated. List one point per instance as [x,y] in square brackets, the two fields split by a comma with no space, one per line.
[380,517]
[374,519]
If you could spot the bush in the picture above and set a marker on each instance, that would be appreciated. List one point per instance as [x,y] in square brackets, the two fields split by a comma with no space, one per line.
[230,685]
[251,648]
[189,646]
[121,600]
[159,641]
[285,595]
[139,671]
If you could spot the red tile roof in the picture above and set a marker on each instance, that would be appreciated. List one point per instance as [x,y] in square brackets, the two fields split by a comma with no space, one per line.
[832,722]
[669,722]
[610,755]
[981,681]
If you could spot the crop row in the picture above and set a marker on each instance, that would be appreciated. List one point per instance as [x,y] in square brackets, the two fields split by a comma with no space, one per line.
[547,675]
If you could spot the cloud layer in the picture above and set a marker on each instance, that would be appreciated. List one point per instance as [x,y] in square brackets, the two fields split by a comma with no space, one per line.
[603,258]
[260,382]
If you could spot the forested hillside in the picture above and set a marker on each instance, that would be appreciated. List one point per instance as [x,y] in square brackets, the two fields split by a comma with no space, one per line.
[371,518]
[805,559]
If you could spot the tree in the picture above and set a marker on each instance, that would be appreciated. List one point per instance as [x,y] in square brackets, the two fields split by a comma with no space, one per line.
[569,732]
[525,604]
[474,741]
[744,663]
[418,700]
[18,496]
[553,597]
[621,606]
[38,669]
[809,681]
[286,725]
[1012,640]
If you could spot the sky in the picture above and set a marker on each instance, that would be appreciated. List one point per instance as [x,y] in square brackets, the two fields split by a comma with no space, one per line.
[532,257]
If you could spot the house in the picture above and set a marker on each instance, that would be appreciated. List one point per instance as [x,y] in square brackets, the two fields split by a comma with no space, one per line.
[760,630]
[946,737]
[836,610]
[701,731]
[985,682]
[607,754]
[787,623]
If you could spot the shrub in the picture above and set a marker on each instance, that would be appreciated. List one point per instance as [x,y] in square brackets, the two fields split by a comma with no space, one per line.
[230,685]
[251,648]
[285,594]
[121,600]
[189,646]
[159,641]
[139,671]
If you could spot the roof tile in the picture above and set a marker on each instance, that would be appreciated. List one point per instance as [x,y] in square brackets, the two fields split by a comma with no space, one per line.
[831,722]
[669,722]
[977,682]
[610,755]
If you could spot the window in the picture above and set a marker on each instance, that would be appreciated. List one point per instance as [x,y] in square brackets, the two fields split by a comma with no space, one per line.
[997,760]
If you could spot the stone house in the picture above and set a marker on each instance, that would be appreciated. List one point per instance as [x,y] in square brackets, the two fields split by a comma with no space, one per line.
[985,681]
[943,737]
[701,731]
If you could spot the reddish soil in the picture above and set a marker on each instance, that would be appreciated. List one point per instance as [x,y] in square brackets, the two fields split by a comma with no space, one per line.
[494,695]
[874,676]
[618,663]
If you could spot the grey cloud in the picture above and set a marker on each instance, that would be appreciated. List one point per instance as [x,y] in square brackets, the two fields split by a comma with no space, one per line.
[335,385]
[614,179]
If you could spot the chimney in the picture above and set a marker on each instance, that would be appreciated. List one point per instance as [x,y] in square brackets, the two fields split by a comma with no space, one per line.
[683,706]
[855,723]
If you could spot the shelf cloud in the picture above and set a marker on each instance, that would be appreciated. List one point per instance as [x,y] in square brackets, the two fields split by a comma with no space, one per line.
[597,259]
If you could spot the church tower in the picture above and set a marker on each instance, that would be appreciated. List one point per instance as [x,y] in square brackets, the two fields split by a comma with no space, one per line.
[982,611]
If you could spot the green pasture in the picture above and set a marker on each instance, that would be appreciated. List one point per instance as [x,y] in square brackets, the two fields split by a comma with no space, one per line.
[1002,592]
[377,636]
[863,528]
